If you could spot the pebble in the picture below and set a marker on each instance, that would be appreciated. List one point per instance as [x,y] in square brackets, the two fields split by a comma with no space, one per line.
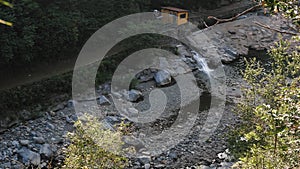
[15,143]
[231,32]
[39,140]
[52,113]
[147,166]
[222,156]
[50,126]
[69,120]
[134,95]
[6,165]
[102,100]
[24,142]
[47,150]
[173,155]
[144,159]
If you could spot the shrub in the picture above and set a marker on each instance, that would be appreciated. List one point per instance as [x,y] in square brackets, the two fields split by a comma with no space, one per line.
[271,112]
[92,146]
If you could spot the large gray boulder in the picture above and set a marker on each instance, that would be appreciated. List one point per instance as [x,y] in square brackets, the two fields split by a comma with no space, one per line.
[162,78]
[29,157]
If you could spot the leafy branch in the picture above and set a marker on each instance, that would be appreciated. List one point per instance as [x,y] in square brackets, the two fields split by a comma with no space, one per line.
[5,3]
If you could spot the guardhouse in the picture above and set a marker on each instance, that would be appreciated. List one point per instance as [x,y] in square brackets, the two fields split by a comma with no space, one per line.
[174,15]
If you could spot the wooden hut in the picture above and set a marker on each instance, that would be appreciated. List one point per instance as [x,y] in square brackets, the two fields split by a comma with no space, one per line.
[174,15]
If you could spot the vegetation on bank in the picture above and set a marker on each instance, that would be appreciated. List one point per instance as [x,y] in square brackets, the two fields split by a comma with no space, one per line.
[269,136]
[8,5]
[93,146]
[288,8]
[270,110]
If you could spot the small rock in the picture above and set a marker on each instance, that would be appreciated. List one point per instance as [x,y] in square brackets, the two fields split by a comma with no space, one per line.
[74,117]
[159,166]
[39,140]
[147,166]
[69,120]
[56,140]
[222,156]
[242,31]
[33,133]
[47,150]
[144,159]
[232,32]
[173,155]
[218,33]
[242,17]
[50,126]
[117,95]
[61,114]
[5,165]
[24,142]
[102,100]
[1,156]
[134,95]
[162,78]
[213,166]
[182,51]
[225,165]
[15,143]
[18,166]
[113,119]
[133,111]
[43,165]
[203,167]
[231,52]
[52,113]
[136,163]
[71,103]
[146,78]
[107,125]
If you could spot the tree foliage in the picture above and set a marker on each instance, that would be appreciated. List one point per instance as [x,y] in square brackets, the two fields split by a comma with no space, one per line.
[94,147]
[271,111]
[50,31]
[289,8]
[5,3]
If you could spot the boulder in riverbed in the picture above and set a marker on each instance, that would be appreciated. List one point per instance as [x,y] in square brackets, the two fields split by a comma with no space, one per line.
[47,150]
[162,78]
[134,95]
[29,157]
[102,100]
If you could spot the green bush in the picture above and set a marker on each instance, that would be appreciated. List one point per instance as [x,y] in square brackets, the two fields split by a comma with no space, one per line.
[92,146]
[270,110]
[289,8]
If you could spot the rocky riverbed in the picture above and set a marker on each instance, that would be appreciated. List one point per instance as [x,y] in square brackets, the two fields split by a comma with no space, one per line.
[40,142]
